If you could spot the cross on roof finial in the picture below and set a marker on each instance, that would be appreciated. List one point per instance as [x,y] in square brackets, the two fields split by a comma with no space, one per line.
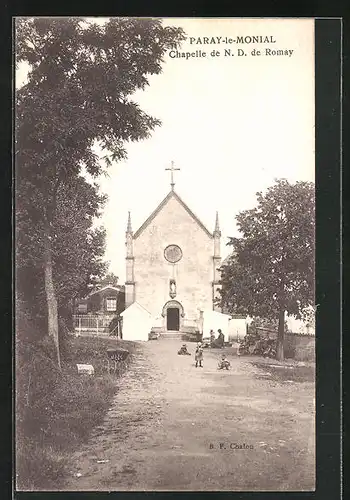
[172,170]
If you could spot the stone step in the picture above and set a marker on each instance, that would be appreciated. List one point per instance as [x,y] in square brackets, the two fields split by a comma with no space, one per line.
[171,335]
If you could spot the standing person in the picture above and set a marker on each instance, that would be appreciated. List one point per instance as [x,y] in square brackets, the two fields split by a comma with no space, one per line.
[221,339]
[212,337]
[199,355]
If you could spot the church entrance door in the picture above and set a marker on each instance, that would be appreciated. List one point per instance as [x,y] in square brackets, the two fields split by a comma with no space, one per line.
[173,319]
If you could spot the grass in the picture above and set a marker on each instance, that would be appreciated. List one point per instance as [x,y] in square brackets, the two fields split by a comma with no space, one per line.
[286,372]
[56,411]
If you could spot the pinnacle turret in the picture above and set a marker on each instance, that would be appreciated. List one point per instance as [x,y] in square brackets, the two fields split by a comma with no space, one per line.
[217,226]
[129,228]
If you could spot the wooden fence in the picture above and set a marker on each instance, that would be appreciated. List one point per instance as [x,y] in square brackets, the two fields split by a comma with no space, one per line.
[97,324]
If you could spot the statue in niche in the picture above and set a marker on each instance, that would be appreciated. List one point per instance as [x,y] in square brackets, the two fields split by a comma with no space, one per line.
[172,291]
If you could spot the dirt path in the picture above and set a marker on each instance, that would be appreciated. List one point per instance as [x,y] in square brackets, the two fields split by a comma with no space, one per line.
[176,427]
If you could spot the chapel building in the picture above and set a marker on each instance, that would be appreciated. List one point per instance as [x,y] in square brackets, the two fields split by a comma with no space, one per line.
[172,263]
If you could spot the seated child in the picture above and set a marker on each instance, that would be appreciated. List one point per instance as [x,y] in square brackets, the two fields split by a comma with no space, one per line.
[183,350]
[224,363]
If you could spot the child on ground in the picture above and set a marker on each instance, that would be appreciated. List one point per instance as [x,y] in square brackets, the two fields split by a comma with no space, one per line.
[199,355]
[224,363]
[183,350]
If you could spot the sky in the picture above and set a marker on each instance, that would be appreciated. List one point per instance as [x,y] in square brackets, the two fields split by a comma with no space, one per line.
[231,124]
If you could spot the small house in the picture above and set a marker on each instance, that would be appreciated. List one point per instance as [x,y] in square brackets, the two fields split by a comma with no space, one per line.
[237,329]
[215,320]
[99,312]
[136,322]
[107,300]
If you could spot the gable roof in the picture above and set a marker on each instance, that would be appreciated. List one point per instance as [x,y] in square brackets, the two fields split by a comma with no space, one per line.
[171,194]
[211,313]
[138,306]
[111,287]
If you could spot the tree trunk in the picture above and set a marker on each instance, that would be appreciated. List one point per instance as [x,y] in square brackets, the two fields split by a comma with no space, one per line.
[52,312]
[280,336]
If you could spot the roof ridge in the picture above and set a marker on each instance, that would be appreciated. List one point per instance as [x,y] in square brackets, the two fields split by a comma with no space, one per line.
[115,287]
[136,303]
[162,204]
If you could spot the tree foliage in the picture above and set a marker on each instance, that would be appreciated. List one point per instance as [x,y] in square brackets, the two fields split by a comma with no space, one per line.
[77,247]
[78,95]
[79,90]
[109,279]
[271,270]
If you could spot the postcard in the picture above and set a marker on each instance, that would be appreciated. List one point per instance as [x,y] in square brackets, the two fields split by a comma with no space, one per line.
[165,253]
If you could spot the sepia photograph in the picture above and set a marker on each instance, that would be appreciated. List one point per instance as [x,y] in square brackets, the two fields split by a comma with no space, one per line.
[164,254]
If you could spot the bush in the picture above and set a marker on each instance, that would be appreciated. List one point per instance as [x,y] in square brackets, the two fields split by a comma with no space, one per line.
[56,410]
[255,344]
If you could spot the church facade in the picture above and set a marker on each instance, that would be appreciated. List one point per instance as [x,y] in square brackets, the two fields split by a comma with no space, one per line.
[172,264]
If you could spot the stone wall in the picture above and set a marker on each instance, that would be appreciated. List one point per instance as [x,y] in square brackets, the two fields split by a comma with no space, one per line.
[299,347]
[193,273]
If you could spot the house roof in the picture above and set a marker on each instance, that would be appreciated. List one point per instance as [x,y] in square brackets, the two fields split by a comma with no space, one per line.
[170,195]
[210,312]
[115,288]
[139,306]
[238,316]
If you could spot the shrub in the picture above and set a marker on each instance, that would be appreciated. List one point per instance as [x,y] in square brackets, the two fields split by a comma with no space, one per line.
[258,345]
[56,410]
